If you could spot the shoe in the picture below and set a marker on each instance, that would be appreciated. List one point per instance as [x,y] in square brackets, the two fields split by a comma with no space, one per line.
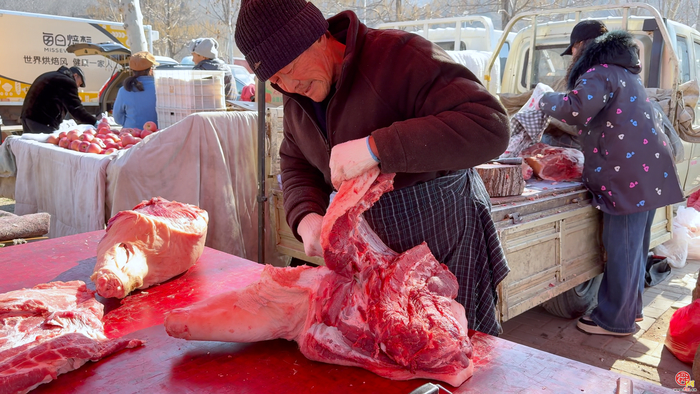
[638,319]
[589,327]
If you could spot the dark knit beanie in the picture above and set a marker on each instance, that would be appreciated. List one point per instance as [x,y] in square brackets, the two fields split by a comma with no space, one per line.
[272,33]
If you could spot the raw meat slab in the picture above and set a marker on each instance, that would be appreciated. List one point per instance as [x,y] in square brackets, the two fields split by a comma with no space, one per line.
[50,329]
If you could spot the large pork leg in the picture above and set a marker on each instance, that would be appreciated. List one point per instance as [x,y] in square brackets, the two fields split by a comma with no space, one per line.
[393,314]
[154,242]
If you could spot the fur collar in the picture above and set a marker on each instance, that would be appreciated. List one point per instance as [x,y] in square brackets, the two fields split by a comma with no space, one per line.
[615,47]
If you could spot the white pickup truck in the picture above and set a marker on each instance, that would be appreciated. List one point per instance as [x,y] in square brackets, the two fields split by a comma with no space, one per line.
[553,245]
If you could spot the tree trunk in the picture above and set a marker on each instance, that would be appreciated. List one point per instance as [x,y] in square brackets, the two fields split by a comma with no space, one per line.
[506,12]
[133,24]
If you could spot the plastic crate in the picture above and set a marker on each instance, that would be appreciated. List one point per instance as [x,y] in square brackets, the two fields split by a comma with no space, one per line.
[190,89]
[170,116]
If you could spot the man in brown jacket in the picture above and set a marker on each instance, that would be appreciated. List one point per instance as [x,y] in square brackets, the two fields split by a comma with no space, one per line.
[356,98]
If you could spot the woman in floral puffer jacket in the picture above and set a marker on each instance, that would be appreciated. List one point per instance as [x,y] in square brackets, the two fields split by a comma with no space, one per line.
[628,168]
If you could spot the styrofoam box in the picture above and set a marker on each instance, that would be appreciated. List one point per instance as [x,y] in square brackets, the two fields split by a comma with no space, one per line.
[170,116]
[190,89]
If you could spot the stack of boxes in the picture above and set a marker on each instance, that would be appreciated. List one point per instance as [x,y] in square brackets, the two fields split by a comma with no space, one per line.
[183,92]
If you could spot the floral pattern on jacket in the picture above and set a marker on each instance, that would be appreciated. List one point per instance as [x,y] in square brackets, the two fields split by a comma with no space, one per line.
[628,163]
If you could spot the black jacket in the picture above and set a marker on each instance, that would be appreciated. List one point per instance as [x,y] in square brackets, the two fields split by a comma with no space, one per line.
[628,163]
[53,95]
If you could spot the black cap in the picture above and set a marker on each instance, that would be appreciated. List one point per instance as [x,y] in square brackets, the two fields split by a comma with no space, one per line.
[585,30]
[77,70]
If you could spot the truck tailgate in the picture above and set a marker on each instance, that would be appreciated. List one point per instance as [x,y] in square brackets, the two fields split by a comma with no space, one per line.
[552,240]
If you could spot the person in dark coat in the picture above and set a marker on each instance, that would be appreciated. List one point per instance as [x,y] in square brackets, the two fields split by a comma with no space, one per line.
[51,96]
[357,98]
[628,167]
[205,55]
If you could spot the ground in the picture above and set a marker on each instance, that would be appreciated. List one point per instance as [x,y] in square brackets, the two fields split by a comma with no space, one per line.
[7,204]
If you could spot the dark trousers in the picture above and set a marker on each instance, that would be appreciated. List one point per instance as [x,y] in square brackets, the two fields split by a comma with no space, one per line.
[626,240]
[30,126]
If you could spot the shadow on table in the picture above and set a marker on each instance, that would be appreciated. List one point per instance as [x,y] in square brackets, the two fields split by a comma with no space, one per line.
[82,271]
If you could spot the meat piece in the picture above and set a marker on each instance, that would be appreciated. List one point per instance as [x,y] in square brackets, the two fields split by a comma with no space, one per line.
[50,329]
[154,242]
[49,310]
[527,171]
[393,314]
[24,368]
[554,163]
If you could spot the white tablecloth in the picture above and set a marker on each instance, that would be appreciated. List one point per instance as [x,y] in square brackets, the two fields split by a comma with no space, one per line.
[69,185]
[207,159]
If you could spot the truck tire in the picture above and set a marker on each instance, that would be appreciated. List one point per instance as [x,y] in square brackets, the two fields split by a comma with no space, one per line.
[576,302]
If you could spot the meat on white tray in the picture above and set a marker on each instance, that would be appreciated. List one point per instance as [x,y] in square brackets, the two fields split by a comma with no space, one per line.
[50,329]
[369,307]
[154,242]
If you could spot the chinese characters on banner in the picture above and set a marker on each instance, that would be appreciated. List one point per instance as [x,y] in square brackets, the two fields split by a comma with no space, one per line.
[57,43]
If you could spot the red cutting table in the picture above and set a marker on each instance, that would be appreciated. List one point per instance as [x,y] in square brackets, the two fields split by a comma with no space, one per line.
[169,365]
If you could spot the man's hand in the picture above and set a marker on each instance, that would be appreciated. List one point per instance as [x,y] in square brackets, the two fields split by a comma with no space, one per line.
[349,160]
[310,231]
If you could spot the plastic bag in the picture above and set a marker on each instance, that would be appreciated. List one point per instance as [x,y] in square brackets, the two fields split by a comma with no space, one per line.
[534,99]
[694,201]
[690,218]
[685,243]
[683,336]
[675,249]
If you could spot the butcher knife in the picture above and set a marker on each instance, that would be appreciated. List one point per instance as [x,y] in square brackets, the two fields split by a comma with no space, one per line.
[429,388]
[508,160]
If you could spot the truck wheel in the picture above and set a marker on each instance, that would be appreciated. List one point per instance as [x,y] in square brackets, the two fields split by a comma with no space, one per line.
[576,302]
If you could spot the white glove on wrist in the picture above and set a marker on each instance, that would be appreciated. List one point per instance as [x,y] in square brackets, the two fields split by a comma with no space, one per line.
[310,231]
[538,93]
[349,160]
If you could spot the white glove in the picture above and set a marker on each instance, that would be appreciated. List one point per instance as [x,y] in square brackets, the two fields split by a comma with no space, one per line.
[351,159]
[310,231]
[540,90]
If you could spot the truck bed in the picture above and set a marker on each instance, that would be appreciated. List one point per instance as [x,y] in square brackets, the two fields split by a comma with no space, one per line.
[551,236]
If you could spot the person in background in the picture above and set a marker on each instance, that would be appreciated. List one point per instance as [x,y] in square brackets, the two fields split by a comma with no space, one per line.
[205,52]
[628,168]
[358,98]
[51,97]
[136,99]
